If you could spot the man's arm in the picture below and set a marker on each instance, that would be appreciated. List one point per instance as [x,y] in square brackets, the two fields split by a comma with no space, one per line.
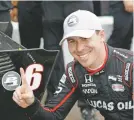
[56,109]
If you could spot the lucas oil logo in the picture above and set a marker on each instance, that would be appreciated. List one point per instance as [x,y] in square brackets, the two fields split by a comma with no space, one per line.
[111,106]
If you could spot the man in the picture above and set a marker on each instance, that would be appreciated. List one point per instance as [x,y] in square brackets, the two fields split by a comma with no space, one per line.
[122,30]
[100,74]
[45,19]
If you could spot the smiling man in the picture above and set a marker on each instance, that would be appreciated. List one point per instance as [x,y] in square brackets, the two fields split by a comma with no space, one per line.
[100,74]
[85,38]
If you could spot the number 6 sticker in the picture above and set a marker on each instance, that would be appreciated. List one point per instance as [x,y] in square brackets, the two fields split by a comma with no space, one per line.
[34,75]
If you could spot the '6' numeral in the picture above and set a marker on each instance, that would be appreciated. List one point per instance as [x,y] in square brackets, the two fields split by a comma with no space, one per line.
[34,75]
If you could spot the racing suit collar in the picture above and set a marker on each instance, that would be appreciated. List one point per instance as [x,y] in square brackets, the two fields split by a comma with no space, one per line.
[101,68]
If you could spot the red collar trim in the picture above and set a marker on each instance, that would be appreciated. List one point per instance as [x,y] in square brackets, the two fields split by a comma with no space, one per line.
[91,72]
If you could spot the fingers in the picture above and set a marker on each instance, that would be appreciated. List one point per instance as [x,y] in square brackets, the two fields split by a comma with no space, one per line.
[17,93]
[25,96]
[18,98]
[29,97]
[23,77]
[128,4]
[129,9]
[21,102]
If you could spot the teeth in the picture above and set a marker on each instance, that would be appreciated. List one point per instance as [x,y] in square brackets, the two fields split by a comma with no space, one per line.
[83,56]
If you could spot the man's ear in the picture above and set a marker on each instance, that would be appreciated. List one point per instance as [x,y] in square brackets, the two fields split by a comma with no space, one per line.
[102,35]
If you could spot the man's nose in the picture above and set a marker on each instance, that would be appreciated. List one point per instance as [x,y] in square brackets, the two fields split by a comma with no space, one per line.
[79,47]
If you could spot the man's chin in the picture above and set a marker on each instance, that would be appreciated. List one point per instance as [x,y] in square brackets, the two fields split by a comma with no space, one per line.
[84,65]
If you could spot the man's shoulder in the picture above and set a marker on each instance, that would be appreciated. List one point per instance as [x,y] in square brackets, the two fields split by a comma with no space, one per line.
[73,64]
[123,54]
[70,66]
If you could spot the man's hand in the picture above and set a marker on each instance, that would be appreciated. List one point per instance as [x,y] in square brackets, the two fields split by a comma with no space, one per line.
[23,95]
[128,4]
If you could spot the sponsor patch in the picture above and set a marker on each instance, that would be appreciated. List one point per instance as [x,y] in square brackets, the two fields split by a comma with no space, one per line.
[118,87]
[11,80]
[88,78]
[127,71]
[111,77]
[73,20]
[70,72]
[63,79]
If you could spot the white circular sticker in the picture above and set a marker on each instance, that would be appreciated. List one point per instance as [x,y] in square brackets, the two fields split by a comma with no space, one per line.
[11,80]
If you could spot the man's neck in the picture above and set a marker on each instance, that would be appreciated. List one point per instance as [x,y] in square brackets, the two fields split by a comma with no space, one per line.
[101,61]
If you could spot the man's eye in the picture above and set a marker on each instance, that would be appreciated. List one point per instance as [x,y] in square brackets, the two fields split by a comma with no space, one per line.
[70,41]
[84,39]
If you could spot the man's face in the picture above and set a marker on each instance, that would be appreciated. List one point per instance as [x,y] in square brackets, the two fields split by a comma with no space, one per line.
[86,51]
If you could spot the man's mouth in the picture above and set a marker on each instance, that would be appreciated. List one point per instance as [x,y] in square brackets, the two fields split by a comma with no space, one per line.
[83,56]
